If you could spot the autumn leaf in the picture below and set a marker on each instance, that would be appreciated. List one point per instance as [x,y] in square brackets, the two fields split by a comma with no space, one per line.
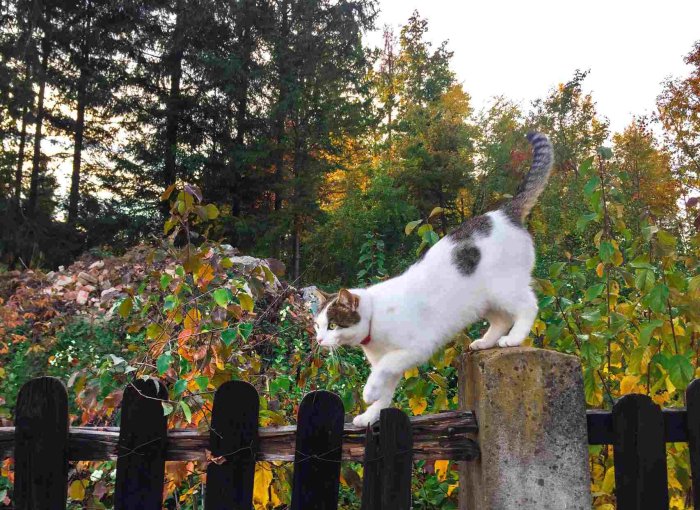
[441,468]
[418,405]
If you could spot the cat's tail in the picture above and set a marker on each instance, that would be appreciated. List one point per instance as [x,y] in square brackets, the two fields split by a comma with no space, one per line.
[533,184]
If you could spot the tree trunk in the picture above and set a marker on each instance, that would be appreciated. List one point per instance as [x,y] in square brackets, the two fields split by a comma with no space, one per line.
[174,65]
[20,158]
[282,107]
[36,160]
[77,150]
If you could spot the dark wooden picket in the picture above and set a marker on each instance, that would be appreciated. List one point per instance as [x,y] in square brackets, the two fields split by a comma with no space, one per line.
[41,445]
[233,436]
[640,454]
[142,438]
[396,449]
[692,398]
[318,452]
[371,479]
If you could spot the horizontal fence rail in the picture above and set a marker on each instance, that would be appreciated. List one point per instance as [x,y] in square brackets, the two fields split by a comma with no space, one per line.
[435,436]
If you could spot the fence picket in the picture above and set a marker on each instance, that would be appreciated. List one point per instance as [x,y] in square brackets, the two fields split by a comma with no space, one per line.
[234,435]
[371,478]
[318,452]
[396,446]
[640,454]
[692,398]
[41,445]
[142,439]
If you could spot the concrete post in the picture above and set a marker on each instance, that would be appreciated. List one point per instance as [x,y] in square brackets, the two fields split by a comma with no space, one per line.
[530,407]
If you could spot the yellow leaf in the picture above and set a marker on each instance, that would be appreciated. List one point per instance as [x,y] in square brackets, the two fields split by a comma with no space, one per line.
[192,318]
[411,373]
[246,301]
[263,479]
[628,384]
[76,490]
[441,468]
[609,481]
[418,405]
[599,270]
[451,488]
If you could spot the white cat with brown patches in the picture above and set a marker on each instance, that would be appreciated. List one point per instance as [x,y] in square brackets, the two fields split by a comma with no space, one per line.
[480,270]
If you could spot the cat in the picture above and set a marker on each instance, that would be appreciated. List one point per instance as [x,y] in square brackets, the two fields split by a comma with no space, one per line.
[480,270]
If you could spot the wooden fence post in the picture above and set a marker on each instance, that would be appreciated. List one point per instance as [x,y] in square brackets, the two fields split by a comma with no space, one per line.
[142,439]
[396,446]
[234,436]
[692,399]
[41,445]
[371,476]
[318,452]
[641,480]
[530,409]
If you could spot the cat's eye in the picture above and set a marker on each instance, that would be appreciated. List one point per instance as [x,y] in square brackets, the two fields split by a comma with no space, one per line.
[332,325]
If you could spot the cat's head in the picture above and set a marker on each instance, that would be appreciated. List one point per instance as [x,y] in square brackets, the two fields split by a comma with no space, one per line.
[339,319]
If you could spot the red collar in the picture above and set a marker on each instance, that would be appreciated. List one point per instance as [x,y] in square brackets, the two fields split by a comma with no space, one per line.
[368,338]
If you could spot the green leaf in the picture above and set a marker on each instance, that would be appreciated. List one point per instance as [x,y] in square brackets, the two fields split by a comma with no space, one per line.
[245,329]
[605,152]
[647,329]
[222,297]
[431,237]
[556,269]
[680,371]
[202,382]
[167,408]
[645,279]
[585,220]
[657,298]
[125,307]
[163,362]
[410,226]
[586,166]
[228,336]
[180,387]
[186,410]
[591,185]
[606,251]
[589,385]
[165,280]
[641,262]
[424,228]
[212,211]
[594,291]
[169,303]
[154,331]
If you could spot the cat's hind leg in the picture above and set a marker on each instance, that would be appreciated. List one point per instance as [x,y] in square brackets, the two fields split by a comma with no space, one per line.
[524,310]
[499,324]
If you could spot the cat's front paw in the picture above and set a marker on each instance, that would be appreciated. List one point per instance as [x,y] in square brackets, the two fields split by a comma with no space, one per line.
[366,418]
[480,344]
[509,341]
[372,390]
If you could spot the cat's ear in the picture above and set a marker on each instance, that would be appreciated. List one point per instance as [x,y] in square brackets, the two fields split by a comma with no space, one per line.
[348,299]
[322,297]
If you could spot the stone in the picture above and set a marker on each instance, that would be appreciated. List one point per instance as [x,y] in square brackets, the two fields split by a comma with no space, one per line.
[87,278]
[530,407]
[82,297]
[97,265]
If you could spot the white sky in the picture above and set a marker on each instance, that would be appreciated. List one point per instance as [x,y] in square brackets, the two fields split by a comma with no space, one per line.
[521,49]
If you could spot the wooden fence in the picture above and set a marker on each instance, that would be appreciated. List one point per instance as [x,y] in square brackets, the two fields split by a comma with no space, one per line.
[43,444]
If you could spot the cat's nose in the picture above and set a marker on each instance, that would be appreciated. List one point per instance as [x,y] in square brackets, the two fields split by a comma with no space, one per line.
[319,339]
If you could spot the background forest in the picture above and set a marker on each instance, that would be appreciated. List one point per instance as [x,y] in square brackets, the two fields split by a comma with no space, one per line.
[147,144]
